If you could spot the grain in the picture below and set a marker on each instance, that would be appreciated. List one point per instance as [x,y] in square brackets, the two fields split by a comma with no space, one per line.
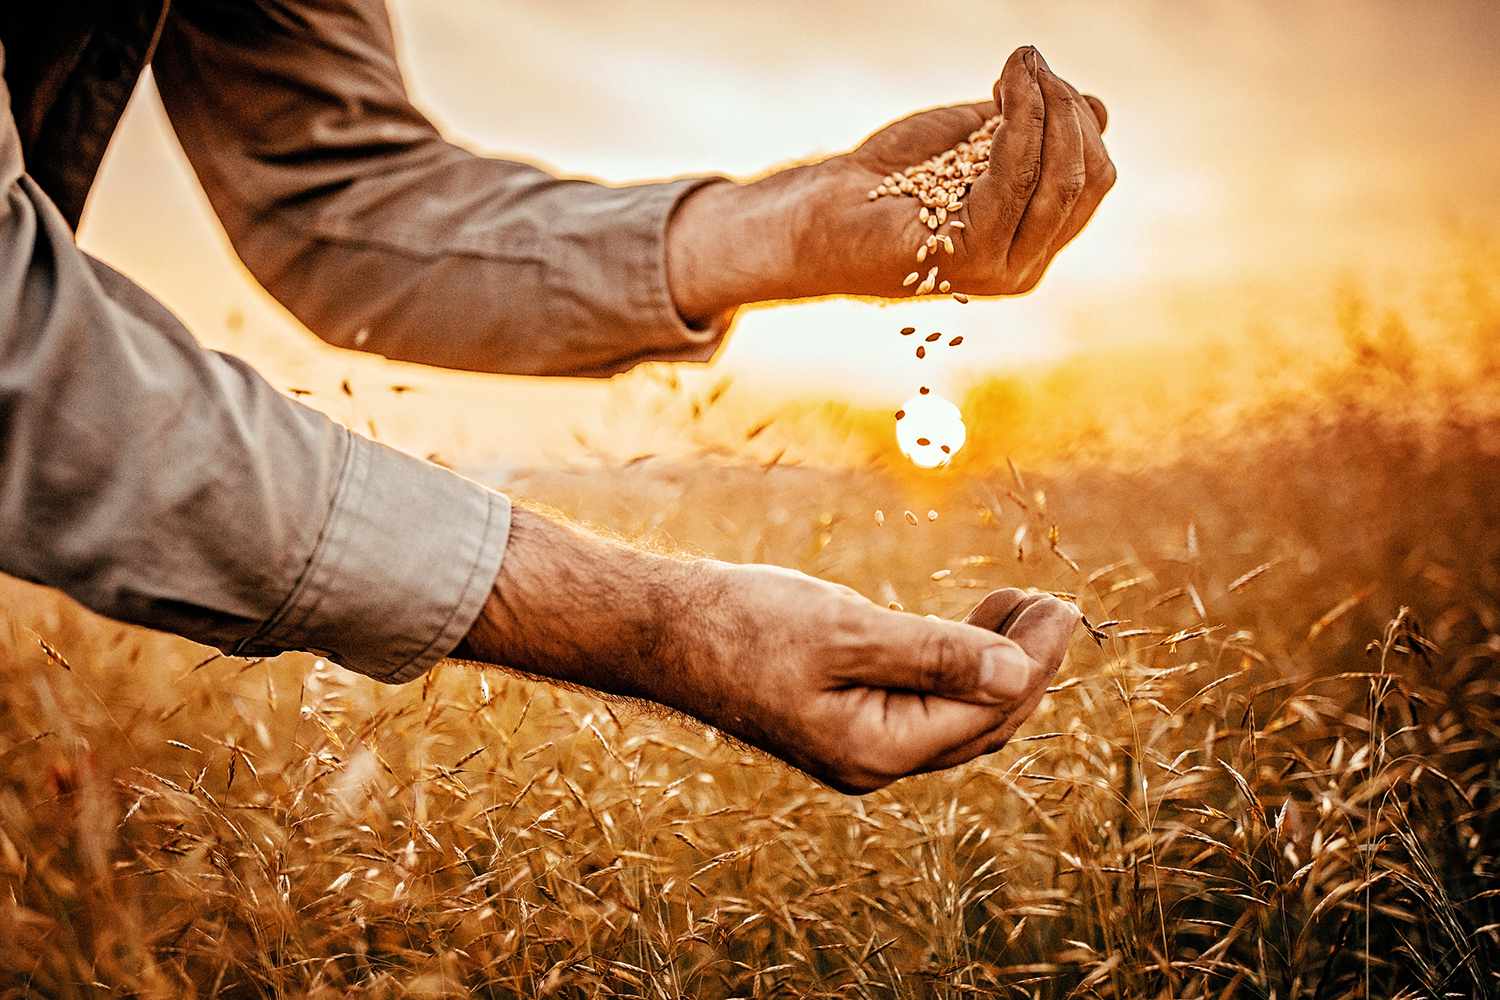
[942,181]
[939,184]
[934,336]
[910,518]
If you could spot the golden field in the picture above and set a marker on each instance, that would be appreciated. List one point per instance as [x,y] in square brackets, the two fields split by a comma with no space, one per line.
[1271,770]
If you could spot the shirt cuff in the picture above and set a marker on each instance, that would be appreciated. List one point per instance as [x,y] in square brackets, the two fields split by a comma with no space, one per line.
[400,572]
[607,279]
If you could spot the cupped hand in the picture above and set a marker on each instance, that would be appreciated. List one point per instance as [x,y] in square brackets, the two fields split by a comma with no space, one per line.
[1047,172]
[859,696]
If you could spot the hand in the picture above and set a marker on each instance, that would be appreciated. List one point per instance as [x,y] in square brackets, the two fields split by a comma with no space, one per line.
[813,230]
[855,695]
[859,696]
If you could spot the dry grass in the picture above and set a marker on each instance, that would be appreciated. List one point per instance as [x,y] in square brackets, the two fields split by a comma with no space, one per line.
[1274,774]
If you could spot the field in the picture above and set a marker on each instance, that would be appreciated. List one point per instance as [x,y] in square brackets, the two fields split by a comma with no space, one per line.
[1271,770]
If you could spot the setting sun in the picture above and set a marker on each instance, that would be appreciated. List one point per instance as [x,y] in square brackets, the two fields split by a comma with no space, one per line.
[929,429]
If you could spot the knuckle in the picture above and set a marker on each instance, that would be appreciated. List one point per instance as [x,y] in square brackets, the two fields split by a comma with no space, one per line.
[944,667]
[1108,175]
[1023,179]
[1071,186]
[844,623]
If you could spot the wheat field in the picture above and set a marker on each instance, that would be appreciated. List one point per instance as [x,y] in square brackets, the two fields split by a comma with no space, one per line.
[1268,769]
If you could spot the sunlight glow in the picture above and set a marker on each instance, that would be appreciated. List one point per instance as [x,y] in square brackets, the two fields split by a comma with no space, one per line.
[930,430]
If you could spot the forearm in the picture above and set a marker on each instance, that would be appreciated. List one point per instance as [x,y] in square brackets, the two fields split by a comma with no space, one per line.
[730,243]
[349,207]
[169,486]
[572,606]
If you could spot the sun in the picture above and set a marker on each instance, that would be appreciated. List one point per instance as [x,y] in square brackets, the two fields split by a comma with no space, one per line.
[929,429]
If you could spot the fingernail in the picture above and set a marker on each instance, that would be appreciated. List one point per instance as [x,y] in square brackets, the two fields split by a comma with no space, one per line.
[1032,58]
[1005,672]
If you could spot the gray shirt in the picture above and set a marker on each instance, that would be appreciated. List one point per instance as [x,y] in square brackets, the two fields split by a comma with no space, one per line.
[167,485]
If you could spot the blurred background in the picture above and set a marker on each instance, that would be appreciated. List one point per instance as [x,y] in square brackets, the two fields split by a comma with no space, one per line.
[1273,157]
[1250,421]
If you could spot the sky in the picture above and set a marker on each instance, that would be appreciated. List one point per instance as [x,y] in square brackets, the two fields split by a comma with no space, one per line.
[1259,146]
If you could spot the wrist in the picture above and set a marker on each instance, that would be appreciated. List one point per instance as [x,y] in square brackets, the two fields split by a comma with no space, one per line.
[732,243]
[571,606]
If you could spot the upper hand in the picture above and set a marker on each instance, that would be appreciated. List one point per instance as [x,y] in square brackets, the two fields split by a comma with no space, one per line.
[1048,171]
[813,230]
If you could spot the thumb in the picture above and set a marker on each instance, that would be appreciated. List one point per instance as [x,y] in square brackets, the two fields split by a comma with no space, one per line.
[950,659]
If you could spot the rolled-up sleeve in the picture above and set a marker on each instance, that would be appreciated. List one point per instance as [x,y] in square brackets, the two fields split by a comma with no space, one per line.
[350,208]
[170,486]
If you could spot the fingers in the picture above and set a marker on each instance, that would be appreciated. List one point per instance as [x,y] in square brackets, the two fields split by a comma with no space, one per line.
[906,652]
[1059,186]
[998,605]
[1048,171]
[1043,628]
[913,733]
[916,729]
[1101,113]
[1100,170]
[999,198]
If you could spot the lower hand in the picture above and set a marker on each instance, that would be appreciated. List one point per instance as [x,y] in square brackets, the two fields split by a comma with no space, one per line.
[859,696]
[810,672]
[814,231]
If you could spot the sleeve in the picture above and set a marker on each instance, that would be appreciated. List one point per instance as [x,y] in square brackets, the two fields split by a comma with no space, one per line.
[169,486]
[347,205]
